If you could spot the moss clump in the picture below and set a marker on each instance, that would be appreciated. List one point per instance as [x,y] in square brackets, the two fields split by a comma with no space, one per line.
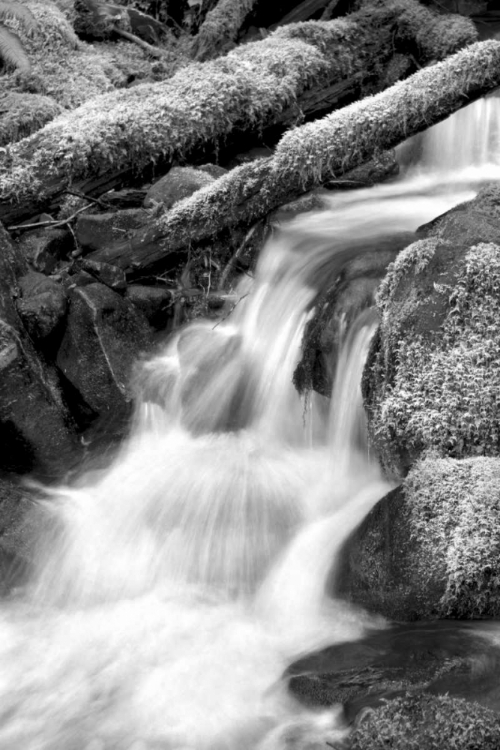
[437,373]
[454,516]
[22,114]
[428,722]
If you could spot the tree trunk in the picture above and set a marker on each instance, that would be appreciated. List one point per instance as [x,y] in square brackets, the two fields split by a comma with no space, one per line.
[251,88]
[314,153]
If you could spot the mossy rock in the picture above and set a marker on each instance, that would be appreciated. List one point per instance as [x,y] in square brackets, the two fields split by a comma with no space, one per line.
[431,548]
[433,373]
[424,722]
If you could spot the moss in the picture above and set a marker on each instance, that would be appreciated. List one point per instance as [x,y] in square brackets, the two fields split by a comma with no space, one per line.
[67,69]
[443,389]
[220,28]
[22,114]
[454,515]
[203,103]
[428,722]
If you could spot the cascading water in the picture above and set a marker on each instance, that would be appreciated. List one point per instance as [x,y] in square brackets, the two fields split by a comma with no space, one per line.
[173,588]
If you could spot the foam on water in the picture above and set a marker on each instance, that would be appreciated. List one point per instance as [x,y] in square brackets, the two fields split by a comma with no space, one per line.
[173,588]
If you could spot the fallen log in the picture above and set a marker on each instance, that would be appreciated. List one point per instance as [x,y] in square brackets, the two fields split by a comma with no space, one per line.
[313,154]
[248,90]
[219,30]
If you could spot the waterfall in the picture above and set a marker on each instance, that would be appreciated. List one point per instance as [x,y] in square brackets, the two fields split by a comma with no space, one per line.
[173,588]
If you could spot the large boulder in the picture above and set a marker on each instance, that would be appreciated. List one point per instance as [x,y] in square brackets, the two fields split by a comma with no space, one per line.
[433,373]
[431,548]
[104,336]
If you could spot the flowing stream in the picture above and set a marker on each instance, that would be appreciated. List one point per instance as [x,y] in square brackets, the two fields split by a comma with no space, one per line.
[173,588]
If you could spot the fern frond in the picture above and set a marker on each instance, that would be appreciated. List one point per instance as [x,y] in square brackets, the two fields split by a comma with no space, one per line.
[12,50]
[13,9]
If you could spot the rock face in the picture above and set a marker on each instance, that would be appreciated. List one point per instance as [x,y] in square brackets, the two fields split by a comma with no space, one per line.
[430,549]
[104,336]
[433,373]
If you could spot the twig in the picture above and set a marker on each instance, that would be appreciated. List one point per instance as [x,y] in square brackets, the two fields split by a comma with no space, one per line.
[97,201]
[53,223]
[222,320]
[234,258]
[153,51]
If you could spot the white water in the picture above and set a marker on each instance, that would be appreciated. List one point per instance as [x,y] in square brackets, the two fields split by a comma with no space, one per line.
[178,584]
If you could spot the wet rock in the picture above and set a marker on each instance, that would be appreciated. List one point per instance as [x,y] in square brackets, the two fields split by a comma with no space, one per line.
[442,658]
[109,275]
[97,231]
[155,303]
[352,293]
[45,248]
[42,305]
[16,501]
[179,183]
[430,548]
[104,336]
[468,223]
[35,428]
[433,373]
[32,415]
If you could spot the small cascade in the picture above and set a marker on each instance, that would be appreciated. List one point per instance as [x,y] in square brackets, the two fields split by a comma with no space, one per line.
[348,422]
[173,588]
[465,145]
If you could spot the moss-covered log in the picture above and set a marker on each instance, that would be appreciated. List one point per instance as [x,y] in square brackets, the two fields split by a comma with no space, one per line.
[314,153]
[220,28]
[249,89]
